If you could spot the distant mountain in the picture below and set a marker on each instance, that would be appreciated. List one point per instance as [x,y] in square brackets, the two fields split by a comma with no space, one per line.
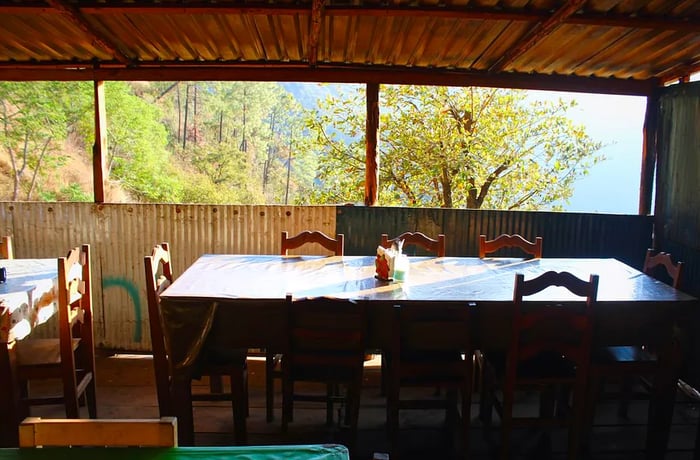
[308,93]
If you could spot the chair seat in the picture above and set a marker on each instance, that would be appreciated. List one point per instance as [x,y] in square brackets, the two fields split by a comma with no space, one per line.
[431,367]
[36,352]
[623,354]
[220,356]
[542,367]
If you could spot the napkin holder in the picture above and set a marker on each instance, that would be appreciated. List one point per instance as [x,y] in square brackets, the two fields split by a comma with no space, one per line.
[384,264]
[391,264]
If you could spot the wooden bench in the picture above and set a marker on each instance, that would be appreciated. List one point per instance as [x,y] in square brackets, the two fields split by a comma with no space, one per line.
[35,431]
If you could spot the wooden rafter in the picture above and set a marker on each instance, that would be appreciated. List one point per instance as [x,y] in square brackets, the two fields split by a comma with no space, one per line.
[76,17]
[536,34]
[594,19]
[680,71]
[172,71]
[317,7]
[609,20]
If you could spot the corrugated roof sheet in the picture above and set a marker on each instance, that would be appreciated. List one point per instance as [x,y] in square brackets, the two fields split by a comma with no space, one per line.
[631,45]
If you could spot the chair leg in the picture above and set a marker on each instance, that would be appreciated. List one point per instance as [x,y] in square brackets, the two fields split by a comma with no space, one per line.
[287,402]
[216,385]
[269,386]
[354,391]
[392,416]
[593,392]
[506,422]
[466,415]
[91,397]
[70,395]
[239,404]
[696,450]
[578,420]
[486,397]
[626,387]
[331,390]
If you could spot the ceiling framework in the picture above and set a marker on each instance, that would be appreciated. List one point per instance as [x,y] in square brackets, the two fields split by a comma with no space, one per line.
[612,46]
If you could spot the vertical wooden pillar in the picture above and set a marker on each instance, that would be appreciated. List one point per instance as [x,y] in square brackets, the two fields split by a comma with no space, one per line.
[371,156]
[99,149]
[649,153]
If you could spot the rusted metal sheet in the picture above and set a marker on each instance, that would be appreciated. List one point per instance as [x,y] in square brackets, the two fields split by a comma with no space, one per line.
[677,207]
[678,179]
[605,39]
[624,237]
[120,236]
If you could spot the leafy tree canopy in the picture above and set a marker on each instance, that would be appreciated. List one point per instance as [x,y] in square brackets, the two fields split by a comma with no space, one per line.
[452,147]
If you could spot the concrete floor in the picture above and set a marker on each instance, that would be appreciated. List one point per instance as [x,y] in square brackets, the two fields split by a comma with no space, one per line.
[126,389]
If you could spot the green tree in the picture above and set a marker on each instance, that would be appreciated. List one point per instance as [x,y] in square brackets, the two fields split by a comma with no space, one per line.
[453,147]
[35,118]
[239,135]
[137,155]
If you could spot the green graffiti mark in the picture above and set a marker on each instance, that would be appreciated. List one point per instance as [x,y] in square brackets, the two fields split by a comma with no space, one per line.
[133,293]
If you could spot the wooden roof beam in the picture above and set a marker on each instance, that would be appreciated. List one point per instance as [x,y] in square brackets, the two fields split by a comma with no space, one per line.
[173,71]
[680,72]
[536,34]
[76,17]
[595,19]
[317,7]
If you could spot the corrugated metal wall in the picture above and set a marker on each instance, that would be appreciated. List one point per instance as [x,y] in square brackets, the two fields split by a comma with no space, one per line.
[678,179]
[625,237]
[120,236]
[678,197]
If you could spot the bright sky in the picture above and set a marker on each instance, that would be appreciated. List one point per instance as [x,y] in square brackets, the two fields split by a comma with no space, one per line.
[612,186]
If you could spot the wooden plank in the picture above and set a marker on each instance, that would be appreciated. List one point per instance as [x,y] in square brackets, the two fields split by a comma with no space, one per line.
[34,432]
[99,149]
[371,155]
[646,185]
[301,72]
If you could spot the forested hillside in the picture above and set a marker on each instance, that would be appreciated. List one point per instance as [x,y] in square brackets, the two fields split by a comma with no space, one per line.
[270,143]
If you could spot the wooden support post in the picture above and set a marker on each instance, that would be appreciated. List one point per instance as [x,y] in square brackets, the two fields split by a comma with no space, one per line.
[371,156]
[99,149]
[646,184]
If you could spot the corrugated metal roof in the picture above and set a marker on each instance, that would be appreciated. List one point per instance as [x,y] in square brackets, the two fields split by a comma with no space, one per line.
[625,46]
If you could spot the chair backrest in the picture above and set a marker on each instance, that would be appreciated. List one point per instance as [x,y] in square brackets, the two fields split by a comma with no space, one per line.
[653,264]
[510,241]
[421,328]
[437,247]
[561,328]
[6,248]
[326,337]
[336,246]
[36,432]
[75,303]
[159,275]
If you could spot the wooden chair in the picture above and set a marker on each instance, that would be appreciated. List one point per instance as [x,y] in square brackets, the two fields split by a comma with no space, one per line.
[6,248]
[273,359]
[71,356]
[430,347]
[436,247]
[37,432]
[326,345]
[159,276]
[550,345]
[633,363]
[506,241]
[335,245]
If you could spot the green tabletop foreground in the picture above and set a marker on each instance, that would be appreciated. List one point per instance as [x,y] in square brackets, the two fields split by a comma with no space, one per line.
[304,452]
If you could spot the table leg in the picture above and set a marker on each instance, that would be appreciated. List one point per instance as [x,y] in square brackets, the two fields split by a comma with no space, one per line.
[662,402]
[182,407]
[10,406]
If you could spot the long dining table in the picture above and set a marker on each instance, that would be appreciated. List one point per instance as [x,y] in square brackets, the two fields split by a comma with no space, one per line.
[27,299]
[238,301]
